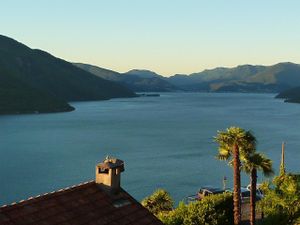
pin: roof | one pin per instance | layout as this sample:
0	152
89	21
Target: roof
84	204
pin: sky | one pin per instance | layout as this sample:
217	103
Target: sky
166	36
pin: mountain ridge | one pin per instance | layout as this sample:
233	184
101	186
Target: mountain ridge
242	78
136	80
39	75
46	83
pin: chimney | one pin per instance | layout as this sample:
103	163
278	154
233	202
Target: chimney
108	174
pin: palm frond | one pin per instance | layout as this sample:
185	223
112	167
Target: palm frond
259	162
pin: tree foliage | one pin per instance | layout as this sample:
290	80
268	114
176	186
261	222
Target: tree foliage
251	164
235	144
281	203
212	210
159	201
245	140
258	161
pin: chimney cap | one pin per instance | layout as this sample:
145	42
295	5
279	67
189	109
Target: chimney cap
111	163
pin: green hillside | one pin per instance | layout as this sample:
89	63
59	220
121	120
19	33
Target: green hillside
33	80
218	75
17	97
287	74
290	95
135	80
100	72
244	78
143	73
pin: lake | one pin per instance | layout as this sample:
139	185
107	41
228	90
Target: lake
166	142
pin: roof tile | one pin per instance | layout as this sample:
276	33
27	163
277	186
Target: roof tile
84	204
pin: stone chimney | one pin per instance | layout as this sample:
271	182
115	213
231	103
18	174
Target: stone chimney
108	174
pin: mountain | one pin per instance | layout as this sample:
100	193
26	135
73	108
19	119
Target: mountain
282	74
136	80
143	73
100	72
218	79
244	78
146	80
290	95
35	81
220	74
18	97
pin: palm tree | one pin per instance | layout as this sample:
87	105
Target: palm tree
234	142
251	164
159	201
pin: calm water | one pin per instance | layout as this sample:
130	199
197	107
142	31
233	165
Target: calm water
165	141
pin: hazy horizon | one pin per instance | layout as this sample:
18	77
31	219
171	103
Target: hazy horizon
168	37
169	75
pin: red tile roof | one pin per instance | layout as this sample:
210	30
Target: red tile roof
84	204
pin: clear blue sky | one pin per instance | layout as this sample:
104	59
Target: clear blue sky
167	36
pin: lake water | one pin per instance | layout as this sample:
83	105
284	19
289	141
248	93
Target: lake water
166	142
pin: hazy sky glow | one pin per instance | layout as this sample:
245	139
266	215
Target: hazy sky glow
167	36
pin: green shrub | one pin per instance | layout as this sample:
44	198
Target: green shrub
212	210
159	201
174	217
281	203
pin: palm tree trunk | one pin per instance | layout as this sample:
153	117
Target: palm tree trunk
253	195
236	186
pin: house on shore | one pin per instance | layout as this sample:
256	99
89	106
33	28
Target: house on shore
98	202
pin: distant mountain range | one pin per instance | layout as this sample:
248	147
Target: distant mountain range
136	80
245	78
283	78
34	81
